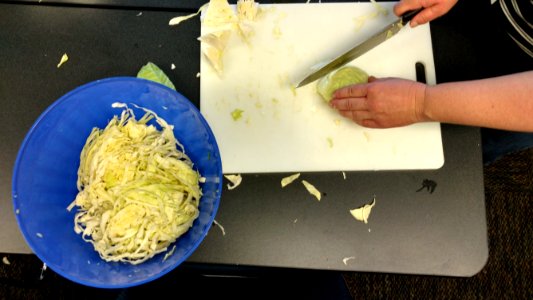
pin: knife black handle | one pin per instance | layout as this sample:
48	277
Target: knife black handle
408	15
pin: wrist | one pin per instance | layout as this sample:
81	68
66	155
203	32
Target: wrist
421	103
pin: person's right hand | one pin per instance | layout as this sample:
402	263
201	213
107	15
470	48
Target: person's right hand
432	9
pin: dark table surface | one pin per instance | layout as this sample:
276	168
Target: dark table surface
410	231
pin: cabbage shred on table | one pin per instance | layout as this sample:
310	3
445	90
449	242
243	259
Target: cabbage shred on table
137	191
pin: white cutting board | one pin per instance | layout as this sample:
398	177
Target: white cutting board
283	129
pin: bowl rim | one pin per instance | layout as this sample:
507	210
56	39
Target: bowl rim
31	132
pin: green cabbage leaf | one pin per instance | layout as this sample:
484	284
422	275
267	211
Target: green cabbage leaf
152	72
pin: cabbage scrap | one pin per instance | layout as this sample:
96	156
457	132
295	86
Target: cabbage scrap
289	179
137	191
220	226
213	48
247	9
152	72
330	142
41	277
219	13
176	20
379	10
312	190
346	259
367	136
247	12
235	181
223	19
236	114
169	253
362	213
63	60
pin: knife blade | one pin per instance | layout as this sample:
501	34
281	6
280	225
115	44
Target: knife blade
384	34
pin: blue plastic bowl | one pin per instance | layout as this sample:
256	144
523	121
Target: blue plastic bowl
45	174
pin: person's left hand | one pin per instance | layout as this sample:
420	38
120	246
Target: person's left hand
382	103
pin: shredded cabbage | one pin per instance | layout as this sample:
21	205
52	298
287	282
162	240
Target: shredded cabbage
137	191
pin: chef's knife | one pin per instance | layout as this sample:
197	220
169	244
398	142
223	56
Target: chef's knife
383	35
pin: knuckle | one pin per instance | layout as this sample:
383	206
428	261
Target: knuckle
375	106
352	90
349	105
372	89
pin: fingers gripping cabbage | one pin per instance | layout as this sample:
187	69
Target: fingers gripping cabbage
137	192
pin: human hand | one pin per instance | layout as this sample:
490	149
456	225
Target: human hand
432	9
382	103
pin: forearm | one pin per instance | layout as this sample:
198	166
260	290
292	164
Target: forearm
504	102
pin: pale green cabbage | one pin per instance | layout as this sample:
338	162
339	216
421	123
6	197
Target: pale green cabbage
137	191
340	78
